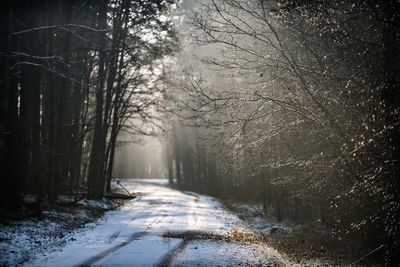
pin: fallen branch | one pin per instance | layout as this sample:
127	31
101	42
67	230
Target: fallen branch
123	187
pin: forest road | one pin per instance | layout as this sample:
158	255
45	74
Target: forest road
164	227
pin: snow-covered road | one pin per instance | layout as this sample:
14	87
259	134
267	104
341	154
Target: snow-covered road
152	230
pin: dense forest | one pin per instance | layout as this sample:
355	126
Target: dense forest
72	74
292	104
295	104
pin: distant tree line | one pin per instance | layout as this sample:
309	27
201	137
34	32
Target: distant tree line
72	74
300	112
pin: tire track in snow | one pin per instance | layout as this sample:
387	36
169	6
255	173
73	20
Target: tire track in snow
105	253
113	236
167	259
195	222
200	218
194	219
133	237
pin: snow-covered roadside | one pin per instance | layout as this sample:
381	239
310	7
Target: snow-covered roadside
23	240
254	216
308	244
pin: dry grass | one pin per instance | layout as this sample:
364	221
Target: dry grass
238	235
244	235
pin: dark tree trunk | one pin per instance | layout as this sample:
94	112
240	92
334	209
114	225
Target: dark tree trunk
187	165
97	158
36	162
11	182
76	139
25	125
177	157
115	127
391	100
170	169
113	141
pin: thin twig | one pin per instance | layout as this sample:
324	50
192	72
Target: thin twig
366	255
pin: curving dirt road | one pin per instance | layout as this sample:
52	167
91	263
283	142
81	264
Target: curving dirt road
165	227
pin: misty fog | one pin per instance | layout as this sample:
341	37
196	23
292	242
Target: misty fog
141	159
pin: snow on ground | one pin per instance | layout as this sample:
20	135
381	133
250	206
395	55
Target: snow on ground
134	235
17	244
95	204
20	240
254	215
196	254
157	181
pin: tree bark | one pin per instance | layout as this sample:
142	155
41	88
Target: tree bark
391	100
97	158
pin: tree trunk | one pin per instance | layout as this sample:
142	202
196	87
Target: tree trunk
97	158
391	100
11	182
